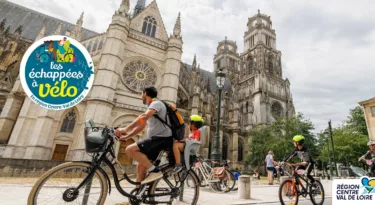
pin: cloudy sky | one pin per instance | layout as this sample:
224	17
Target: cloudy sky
328	49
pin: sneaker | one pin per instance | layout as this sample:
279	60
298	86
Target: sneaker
177	168
152	176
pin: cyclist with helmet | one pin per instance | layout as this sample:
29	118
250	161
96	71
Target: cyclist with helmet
370	154
196	122
303	154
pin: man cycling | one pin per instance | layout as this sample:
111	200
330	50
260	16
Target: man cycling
303	154
159	136
370	154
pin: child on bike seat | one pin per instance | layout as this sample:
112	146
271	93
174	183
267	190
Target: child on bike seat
196	122
303	154
370	154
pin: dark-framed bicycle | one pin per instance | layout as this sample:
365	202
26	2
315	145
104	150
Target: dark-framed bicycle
292	188
85	182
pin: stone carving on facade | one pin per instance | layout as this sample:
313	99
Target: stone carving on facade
138	75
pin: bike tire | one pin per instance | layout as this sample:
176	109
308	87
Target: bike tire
153	188
233	179
321	193
287	184
41	181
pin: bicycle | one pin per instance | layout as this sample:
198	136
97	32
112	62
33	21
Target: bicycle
207	177
292	188
92	183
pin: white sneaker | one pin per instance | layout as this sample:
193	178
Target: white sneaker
152	177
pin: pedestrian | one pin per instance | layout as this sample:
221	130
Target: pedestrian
270	167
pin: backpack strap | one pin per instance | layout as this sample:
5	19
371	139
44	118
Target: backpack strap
166	114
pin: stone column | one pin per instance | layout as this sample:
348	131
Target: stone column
100	100
9	115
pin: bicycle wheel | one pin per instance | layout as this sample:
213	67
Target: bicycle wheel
56	186
186	194
232	181
288	194
317	193
226	184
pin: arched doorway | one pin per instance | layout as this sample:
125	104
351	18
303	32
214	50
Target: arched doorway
122	157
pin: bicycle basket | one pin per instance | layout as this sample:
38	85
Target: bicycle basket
96	138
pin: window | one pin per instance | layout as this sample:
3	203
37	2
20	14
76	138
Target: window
149	26
373	111
240	150
69	122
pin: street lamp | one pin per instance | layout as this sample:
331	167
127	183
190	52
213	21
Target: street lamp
220	80
329	155
333	147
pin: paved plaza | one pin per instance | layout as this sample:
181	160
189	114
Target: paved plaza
17	193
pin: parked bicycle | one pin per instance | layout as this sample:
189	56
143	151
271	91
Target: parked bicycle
219	180
292	188
84	182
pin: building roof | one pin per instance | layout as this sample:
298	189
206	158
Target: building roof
371	100
209	75
33	21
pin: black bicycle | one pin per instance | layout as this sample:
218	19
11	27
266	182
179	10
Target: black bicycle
85	182
292	188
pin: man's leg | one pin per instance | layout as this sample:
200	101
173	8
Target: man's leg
141	173
134	152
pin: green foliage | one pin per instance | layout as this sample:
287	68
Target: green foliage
356	121
278	138
350	140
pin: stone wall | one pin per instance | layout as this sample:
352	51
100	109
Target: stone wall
35	168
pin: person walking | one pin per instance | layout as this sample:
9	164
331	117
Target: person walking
270	167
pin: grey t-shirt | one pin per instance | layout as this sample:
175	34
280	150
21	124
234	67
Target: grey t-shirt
269	158
154	126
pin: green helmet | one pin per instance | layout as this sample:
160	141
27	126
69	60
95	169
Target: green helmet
298	138
197	121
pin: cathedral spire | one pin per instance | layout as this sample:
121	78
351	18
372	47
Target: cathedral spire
124	7
194	65
80	20
58	29
41	33
177	26
141	4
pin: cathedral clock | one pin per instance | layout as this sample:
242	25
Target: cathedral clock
138	75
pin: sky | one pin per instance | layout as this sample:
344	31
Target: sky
327	46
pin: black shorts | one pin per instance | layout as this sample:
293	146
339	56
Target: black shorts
151	147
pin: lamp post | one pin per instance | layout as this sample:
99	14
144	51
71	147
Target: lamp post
329	155
220	80
333	147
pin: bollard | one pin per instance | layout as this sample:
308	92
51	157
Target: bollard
244	187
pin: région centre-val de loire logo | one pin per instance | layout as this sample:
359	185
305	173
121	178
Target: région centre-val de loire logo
57	72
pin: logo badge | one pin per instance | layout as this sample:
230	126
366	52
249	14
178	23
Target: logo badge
57	72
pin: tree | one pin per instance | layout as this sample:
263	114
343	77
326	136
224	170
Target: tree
278	138
356	120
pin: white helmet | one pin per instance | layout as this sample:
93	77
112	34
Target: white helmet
370	143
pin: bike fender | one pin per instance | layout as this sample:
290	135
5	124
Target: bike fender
103	172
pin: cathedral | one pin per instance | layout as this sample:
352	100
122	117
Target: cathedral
134	52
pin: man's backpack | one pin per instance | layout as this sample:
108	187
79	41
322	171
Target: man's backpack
177	124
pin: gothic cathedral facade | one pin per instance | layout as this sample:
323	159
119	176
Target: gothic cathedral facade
135	52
